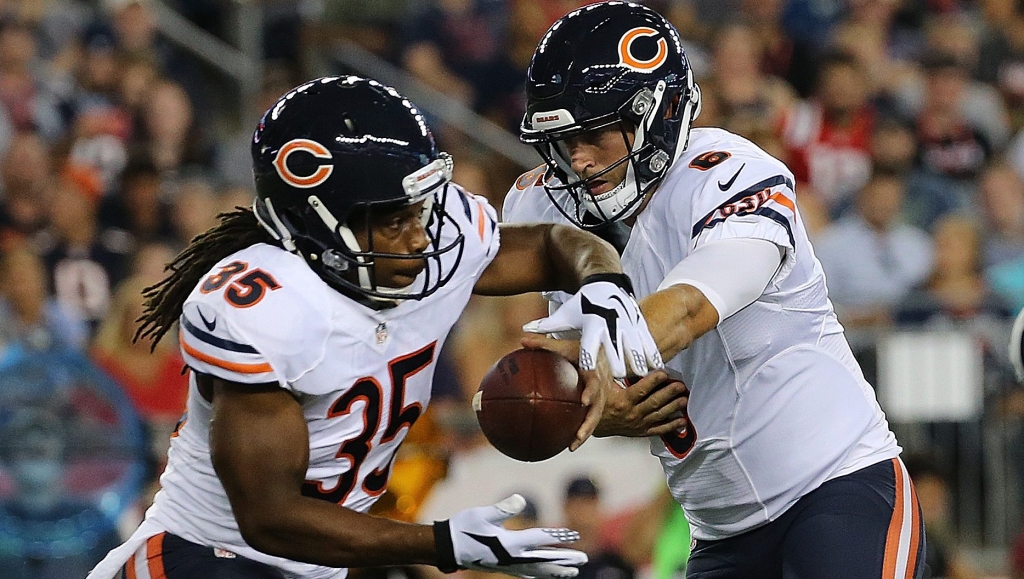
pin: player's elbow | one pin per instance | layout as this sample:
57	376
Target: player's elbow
262	517
259	521
262	530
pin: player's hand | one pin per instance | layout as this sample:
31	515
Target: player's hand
608	317
652	406
475	539
597	386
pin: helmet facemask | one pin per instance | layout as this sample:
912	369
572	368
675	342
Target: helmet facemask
657	143
345	265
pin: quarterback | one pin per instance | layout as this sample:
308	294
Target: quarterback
311	326
786	467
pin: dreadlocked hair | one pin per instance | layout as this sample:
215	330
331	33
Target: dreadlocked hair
237	230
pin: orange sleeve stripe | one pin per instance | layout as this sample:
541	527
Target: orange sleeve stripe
781	199
233	366
155	556
481	218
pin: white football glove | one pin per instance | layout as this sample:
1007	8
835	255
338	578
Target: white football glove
475	539
606	314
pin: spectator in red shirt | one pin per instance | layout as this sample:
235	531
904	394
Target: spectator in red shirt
827	138
153	381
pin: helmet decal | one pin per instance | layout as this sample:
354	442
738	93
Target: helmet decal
552	119
629	61
313	148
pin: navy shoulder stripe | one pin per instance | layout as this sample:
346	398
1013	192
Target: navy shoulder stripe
465	205
755	188
750	201
781	219
209	338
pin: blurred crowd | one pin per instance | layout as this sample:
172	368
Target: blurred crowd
903	121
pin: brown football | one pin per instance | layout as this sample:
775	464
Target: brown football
529	404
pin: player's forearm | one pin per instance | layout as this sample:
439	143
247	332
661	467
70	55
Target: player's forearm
537	257
322	533
677	316
259	447
575	255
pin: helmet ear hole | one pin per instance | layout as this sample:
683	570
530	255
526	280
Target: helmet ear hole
642	103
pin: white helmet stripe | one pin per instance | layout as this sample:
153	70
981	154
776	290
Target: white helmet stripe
277	230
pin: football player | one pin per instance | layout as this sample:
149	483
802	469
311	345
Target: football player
787	467
311	326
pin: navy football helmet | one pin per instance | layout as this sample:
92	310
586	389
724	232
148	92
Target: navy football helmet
608	64
333	153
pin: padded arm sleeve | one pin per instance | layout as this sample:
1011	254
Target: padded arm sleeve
731	273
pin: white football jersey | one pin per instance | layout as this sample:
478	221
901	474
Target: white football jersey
362	376
778	404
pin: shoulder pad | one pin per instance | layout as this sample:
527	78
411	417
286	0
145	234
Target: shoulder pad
260	315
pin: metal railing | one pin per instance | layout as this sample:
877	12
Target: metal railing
243	64
436	103
981	452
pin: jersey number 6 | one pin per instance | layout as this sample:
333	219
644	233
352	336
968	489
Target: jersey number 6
708	160
681	442
356	449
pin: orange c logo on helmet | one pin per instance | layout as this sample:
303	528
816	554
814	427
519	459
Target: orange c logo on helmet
307	146
626	57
